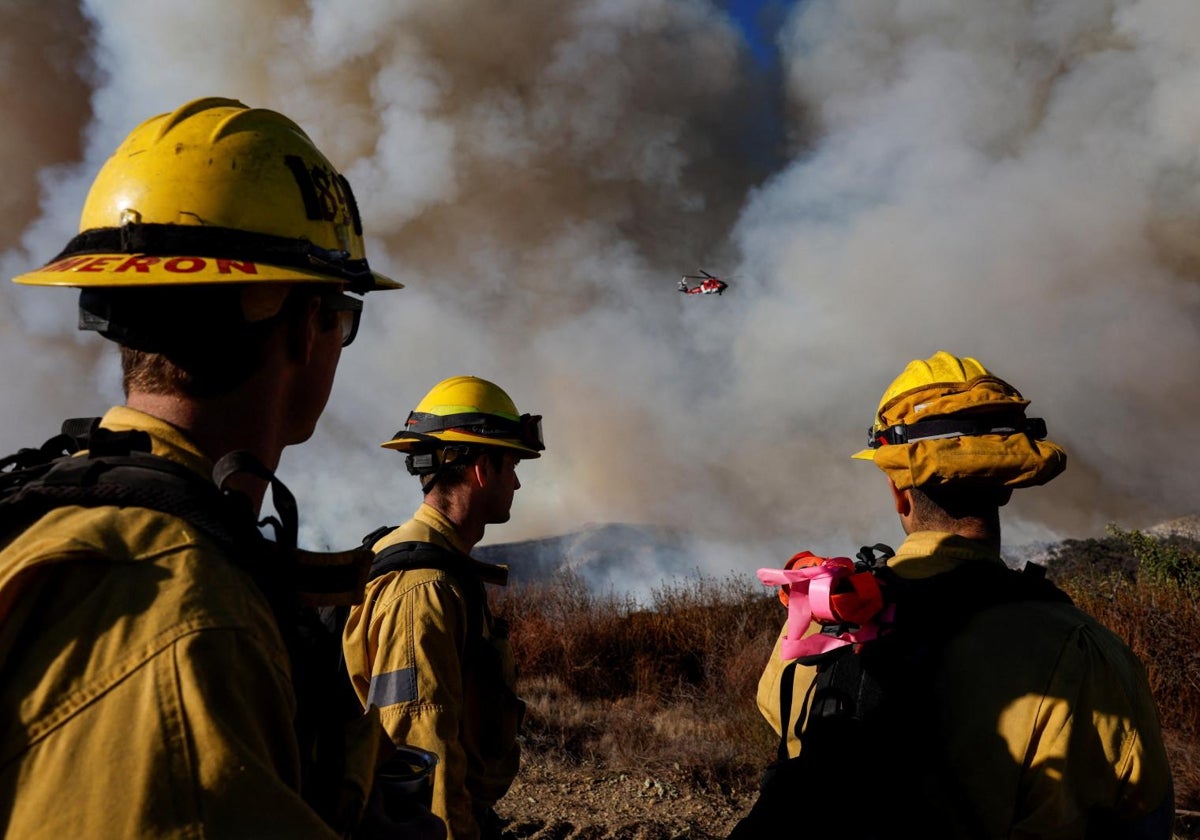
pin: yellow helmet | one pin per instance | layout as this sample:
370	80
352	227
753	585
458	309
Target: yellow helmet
947	419
467	410
215	192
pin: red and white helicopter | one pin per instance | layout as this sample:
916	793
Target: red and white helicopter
708	284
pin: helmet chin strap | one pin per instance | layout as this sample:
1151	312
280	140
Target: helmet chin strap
286	525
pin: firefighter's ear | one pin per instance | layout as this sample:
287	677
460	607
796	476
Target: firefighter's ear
902	499
481	470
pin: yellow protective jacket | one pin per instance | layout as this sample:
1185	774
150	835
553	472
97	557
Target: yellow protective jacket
1045	716
409	652
144	687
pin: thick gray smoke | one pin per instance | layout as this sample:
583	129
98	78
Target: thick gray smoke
1013	181
1003	179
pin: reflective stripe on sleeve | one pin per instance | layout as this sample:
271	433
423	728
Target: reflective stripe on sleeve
393	687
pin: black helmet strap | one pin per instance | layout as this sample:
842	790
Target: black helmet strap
158	240
947	427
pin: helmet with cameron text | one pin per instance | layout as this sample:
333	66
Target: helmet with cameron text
215	192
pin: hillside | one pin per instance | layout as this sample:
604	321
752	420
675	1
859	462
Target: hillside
605	557
608	557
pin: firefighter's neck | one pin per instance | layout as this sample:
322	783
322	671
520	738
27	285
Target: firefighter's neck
221	425
461	512
973	528
983	528
276	405
466	503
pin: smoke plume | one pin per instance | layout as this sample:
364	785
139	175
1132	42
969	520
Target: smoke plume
1012	181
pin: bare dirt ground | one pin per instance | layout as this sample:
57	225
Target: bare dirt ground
550	801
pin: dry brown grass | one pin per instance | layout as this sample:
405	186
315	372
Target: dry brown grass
672	685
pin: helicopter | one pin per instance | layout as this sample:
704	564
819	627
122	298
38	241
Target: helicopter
708	285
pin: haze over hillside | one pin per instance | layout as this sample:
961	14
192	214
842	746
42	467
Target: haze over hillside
627	560
1014	181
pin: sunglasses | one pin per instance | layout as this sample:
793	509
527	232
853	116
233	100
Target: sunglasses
349	311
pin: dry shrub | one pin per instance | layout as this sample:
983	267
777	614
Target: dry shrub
670	685
705	635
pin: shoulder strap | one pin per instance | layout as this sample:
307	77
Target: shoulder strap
416	555
421	555
119	470
379	533
27	461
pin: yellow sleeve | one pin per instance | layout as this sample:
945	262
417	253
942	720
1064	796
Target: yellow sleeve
769	685
236	708
416	681
1096	740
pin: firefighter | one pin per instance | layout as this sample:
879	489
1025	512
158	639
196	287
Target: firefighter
423	646
1005	711
153	640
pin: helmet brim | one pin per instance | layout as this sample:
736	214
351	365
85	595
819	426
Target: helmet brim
128	270
408	444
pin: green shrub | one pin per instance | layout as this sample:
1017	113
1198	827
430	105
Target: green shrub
1170	560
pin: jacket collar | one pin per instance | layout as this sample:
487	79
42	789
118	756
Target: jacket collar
927	553
166	441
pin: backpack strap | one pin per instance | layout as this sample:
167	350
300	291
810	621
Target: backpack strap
787	688
379	533
90	466
118	470
421	555
74	437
